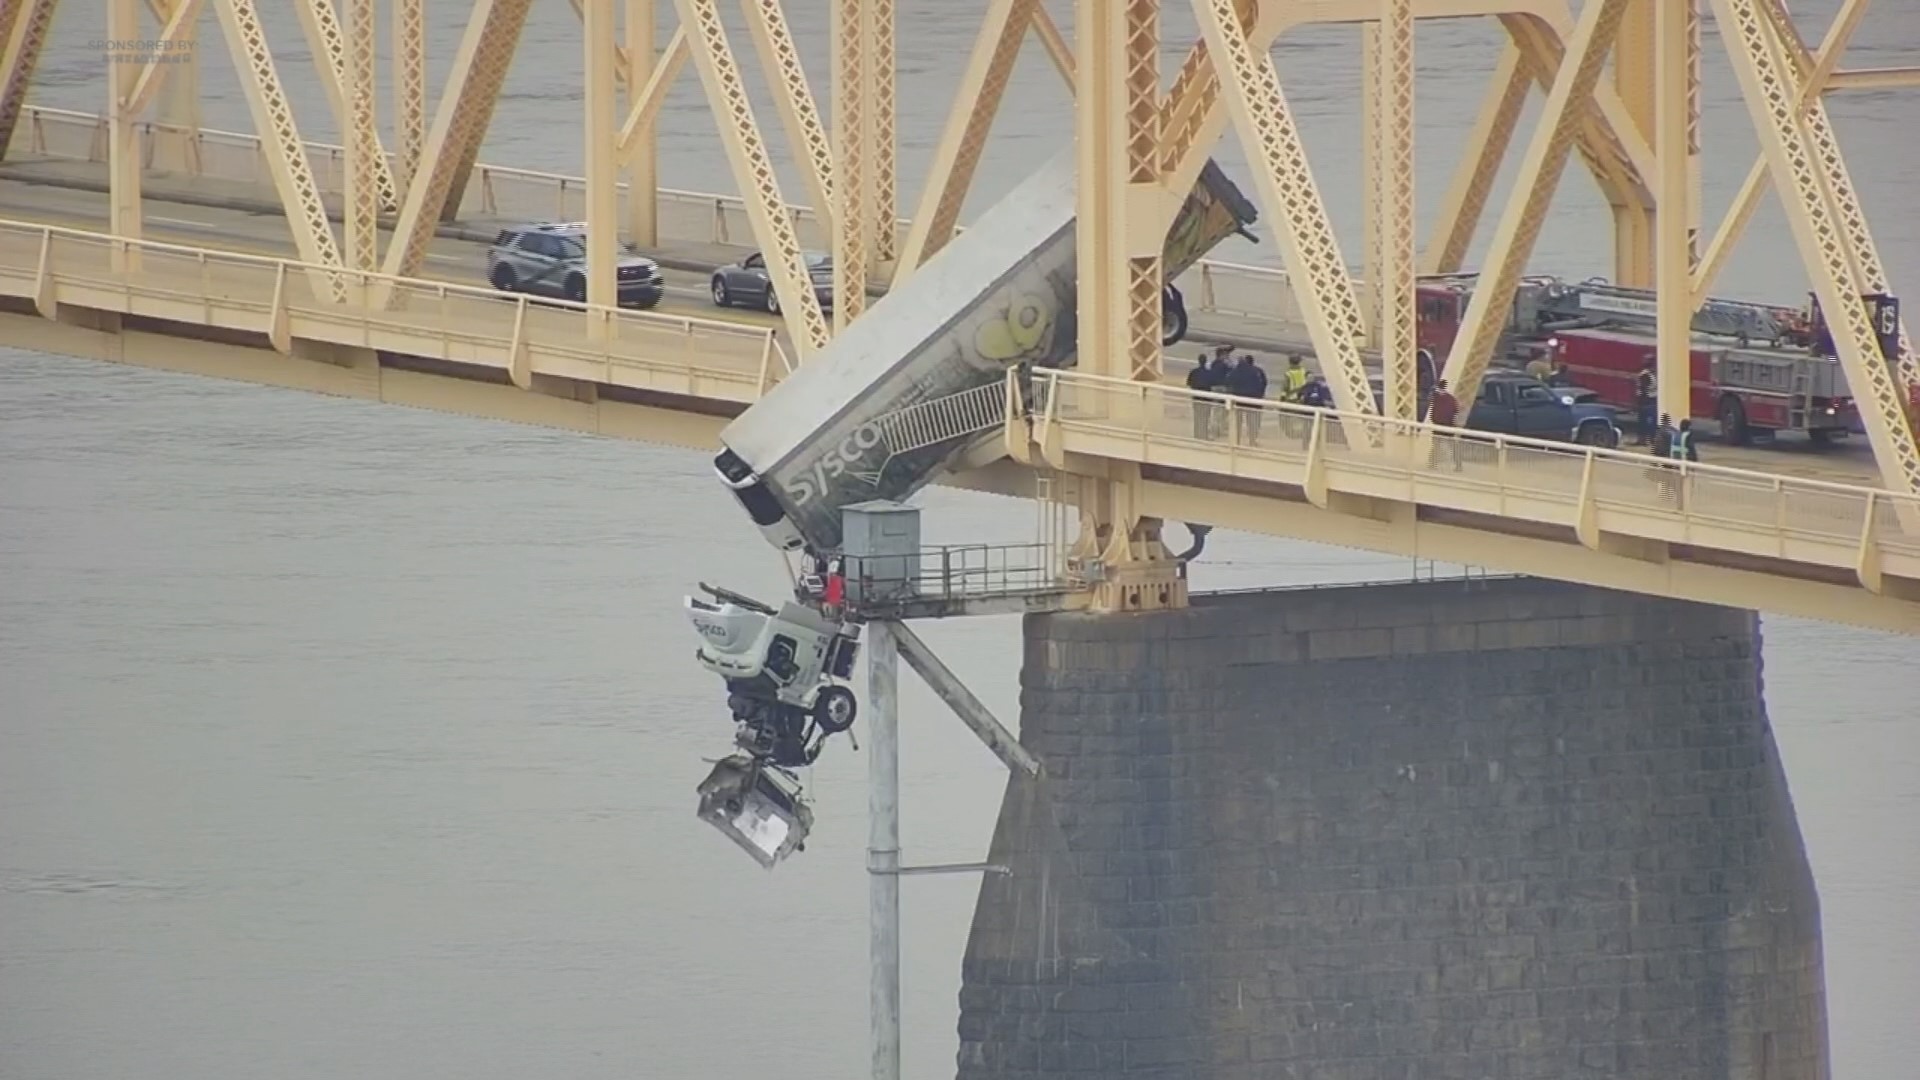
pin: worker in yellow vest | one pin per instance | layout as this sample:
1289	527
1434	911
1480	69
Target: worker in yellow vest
1296	379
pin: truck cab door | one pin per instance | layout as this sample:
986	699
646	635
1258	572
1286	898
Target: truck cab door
1490	411
1538	414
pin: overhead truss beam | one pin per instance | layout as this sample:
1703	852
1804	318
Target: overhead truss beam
25	24
409	88
331	47
793	100
1393	286
852	50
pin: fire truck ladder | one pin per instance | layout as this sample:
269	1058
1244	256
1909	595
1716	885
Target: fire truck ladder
941	420
1721	318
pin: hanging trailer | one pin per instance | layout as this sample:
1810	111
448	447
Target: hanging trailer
886	406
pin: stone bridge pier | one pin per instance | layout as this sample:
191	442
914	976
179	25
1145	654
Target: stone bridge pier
1500	830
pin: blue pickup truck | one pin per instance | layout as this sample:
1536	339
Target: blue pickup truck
1513	403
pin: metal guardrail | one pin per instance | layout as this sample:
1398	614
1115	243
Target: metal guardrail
1255	293
1586	488
284	298
957	572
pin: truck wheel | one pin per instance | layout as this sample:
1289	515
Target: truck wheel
1821	437
1733	422
1173	323
1600	435
720	295
834	709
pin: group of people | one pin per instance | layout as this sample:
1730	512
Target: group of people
1243	377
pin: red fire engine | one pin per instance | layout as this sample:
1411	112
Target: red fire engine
1756	368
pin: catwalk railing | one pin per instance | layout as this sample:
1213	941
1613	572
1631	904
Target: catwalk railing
1589	490
284	300
1257	293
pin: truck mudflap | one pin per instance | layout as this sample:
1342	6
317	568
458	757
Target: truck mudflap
891	401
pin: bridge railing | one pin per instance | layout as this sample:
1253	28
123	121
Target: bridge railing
1585	488
286	299
1257	294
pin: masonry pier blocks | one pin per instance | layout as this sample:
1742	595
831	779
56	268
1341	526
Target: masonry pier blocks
1508	829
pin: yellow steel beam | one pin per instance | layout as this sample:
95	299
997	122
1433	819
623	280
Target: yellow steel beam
409	86
852	39
175	32
1734	225
793	100
1633	79
123	132
1890	78
1526	212
883	141
1372	181
1672	77
329	46
600	36
647	77
366	161
975	104
1319	277
1056	46
1100	135
1486	150
460	120
25	23
1145	278
281	144
753	171
174	144
1394	285
1772	91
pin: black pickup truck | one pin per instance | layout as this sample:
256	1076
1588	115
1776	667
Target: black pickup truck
1512	403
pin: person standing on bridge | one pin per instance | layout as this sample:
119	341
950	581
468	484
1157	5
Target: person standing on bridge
1645	399
1296	378
1444	411
1246	380
1425	375
1203	379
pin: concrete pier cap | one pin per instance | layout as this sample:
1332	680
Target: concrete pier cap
1506	829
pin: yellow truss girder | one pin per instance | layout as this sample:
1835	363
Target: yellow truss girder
366	161
124	162
281	144
793	100
646	75
1538	179
1672	129
409	87
852	41
643	112
600	63
25	23
1393	285
1801	166
1466	197
753	171
175	30
883	137
1251	90
459	122
331	46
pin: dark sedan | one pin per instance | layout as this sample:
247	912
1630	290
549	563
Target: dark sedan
748	284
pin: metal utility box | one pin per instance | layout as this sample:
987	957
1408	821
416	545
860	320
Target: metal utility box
880	542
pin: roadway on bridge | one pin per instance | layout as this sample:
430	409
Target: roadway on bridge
47	200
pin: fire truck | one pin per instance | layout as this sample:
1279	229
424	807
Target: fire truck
1756	369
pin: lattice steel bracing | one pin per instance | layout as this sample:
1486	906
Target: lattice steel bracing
883	140
1251	89
1870	274
851	247
460	121
1540	171
975	104
793	99
25	23
366	162
1395	210
1192	117
281	144
1145	277
1486	149
330	46
409	87
1773	95
753	171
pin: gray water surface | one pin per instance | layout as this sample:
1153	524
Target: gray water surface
341	740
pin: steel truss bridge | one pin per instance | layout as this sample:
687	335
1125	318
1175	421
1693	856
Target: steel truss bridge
345	300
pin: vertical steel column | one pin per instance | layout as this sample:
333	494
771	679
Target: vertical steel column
1371	186
643	154
602	157
25	28
365	160
1673	275
883	141
123	132
1633	79
853	189
1100	134
1394	287
883	847
1466	198
177	140
409	86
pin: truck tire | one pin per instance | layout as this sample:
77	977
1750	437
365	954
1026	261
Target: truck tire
1733	422
834	709
1598	433
1173	318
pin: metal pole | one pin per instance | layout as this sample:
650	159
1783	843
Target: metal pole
883	846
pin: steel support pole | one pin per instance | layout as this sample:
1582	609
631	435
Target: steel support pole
177	146
1634	243
123	132
883	139
1371	186
366	162
883	846
1394	282
602	153
409	87
643	154
1673	266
